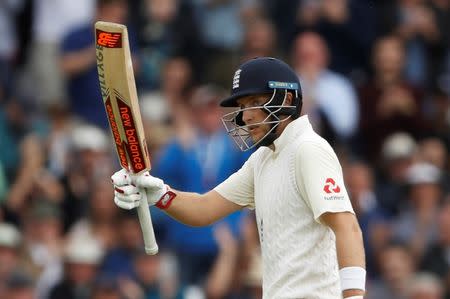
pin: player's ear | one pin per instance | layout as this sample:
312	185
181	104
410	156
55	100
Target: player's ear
289	99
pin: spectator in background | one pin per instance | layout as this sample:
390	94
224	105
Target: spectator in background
51	22
196	161
168	104
89	160
397	267
425	286
16	129
347	26
10	245
260	40
415	224
388	102
58	139
119	260
78	63
167	28
416	23
436	259
43	245
432	150
164	111
222	25
329	98
81	260
398	152
221	22
30	179
156	277
100	216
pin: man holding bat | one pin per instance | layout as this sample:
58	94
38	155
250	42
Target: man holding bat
310	238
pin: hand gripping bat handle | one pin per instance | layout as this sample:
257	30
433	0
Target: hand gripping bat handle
151	247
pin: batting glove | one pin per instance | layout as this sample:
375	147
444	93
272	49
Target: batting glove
128	190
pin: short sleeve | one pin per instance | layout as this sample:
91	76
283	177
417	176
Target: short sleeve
320	180
239	187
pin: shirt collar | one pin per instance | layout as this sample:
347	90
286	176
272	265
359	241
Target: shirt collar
294	129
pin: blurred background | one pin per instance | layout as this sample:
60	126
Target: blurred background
376	84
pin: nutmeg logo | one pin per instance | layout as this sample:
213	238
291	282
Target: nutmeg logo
331	186
332	189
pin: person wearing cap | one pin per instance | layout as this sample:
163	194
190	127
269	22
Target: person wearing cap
82	258
398	153
416	223
43	244
426	285
310	238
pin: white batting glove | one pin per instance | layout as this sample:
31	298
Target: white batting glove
128	194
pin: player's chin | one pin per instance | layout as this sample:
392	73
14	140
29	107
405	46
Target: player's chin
257	137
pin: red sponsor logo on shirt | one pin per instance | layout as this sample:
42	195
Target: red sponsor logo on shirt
331	186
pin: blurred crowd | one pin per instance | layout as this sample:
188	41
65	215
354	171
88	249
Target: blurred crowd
376	84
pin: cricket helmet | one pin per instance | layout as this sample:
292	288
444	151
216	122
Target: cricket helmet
262	75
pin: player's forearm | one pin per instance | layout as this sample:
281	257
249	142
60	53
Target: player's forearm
350	248
350	252
191	209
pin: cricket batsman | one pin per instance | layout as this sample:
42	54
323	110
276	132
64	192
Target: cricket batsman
311	242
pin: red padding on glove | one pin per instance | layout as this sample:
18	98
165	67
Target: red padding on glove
166	200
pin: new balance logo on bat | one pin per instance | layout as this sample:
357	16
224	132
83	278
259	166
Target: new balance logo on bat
108	39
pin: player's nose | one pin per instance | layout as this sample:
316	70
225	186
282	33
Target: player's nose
247	116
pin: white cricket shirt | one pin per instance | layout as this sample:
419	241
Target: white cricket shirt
290	188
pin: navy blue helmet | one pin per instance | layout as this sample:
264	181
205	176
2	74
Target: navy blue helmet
262	75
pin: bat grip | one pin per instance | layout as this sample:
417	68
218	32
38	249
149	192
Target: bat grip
151	247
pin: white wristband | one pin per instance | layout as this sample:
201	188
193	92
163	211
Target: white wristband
354	297
353	278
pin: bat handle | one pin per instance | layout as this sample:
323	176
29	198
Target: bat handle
151	247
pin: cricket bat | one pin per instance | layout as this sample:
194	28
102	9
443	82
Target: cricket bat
118	88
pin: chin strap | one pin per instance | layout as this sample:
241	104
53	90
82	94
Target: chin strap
268	140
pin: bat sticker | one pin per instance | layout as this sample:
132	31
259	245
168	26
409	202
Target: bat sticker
109	39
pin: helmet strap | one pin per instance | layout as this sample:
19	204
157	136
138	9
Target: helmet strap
268	139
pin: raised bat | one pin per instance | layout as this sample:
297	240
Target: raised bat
118	88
